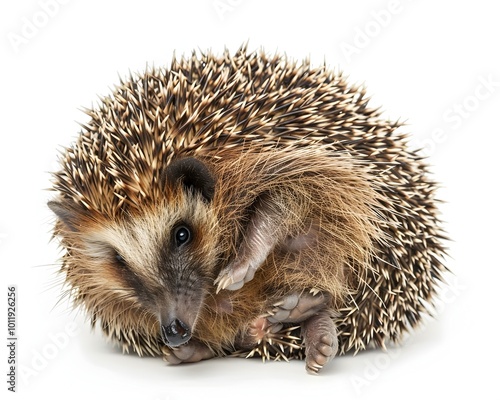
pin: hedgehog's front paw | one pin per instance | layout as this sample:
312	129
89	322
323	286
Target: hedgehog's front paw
235	275
298	307
193	351
320	339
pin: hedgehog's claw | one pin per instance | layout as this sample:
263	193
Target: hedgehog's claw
313	368
222	282
234	276
228	280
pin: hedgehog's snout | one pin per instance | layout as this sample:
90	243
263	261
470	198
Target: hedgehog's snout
176	333
178	310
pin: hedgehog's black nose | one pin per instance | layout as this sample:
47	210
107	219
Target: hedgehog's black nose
176	333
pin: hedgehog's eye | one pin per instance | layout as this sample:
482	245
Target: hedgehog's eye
182	235
120	260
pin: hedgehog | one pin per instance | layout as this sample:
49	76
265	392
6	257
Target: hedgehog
246	205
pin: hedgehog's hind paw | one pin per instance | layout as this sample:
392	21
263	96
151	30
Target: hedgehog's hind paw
320	339
298	307
193	351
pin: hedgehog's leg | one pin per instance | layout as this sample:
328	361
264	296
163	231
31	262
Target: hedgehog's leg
193	351
318	329
320	339
260	238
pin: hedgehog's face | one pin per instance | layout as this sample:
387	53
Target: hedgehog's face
163	257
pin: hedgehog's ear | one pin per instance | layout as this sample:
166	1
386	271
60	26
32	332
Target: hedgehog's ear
68	215
193	175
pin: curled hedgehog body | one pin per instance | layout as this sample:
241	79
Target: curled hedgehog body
246	205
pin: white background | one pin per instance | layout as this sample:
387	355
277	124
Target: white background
435	65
